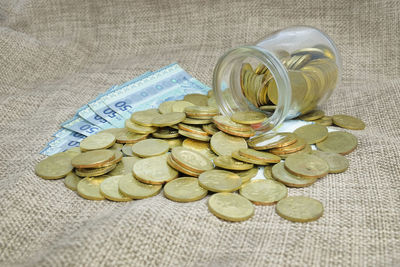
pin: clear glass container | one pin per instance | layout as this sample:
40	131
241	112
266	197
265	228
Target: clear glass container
288	73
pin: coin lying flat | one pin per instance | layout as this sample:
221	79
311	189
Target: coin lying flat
204	138
97	141
184	189
279	173
117	158
171	162
199	146
201	111
348	122
307	166
263	192
118	170
196	121
226	122
223	144
337	163
150	147
93	159
259	155
248	117
272	140
113	131
180	106
237	156
300	209
297	146
154	170
117	146
89	188
338	142
134	189
230	207
196	99
236	133
192	129
126	137
247	174
54	167
210	128
144	117
168	119
166	133
227	162
312	116
137	128
72	152
128	163
166	107
93	172
220	181
71	181
306	150
109	188
312	133
191	159
326	121
174	142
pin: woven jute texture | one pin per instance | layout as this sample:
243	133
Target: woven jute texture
56	55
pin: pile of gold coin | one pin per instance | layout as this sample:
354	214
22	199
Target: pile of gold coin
190	150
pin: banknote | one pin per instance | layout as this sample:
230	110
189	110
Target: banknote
88	114
81	126
51	150
73	136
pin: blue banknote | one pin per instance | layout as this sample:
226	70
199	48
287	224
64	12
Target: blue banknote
88	114
51	150
81	126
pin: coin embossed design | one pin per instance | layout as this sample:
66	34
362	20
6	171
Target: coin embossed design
230	207
338	142
93	159
135	189
154	170
264	192
109	188
54	167
184	189
150	147
223	144
312	133
220	181
191	159
227	162
307	166
337	163
89	188
279	173
299	209
348	122
248	117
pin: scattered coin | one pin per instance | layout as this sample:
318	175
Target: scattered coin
230	207
348	122
236	133
180	106
89	188
307	166
199	146
210	128
263	192
72	152
93	172
337	163
126	137
326	121
71	181
272	140
55	166
248	117
259	155
192	129
117	146
306	150
128	163
312	133
93	159
200	111
268	172
279	173
184	189
166	133
220	181
227	162
191	159
196	121
134	189
174	142
247	174
127	150
137	128
109	188
144	117
297	146
150	147
236	155
194	136
338	142
312	115
226	122
171	162
196	99
168	119
166	107
154	170
223	144
299	209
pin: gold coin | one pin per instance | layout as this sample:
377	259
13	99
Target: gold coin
247	174
117	146
127	150
199	146
128	163
259	155
113	131
312	115
166	107
236	155
109	188
174	142
54	167
93	159
132	188
126	137
297	146
72	152
226	122
338	142
337	163
211	128
97	141
248	117
307	166
201	110
154	170
150	147
191	159
89	188
236	133
71	181
300	209
117	158
92	172
220	181
306	150
223	144
326	121
118	170
184	189
268	107
279	173
230	207
273	92
191	135
144	117
196	121
212	102
171	162
166	133
196	99
179	106
227	162
348	122
272	140
312	133
263	192
268	172
192	129
210	93
168	119
137	128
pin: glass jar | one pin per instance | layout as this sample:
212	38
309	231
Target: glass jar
288	73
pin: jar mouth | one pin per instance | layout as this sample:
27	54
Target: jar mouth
226	78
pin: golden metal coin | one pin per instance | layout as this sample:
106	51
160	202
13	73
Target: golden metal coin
227	162
247	174
97	141
300	209
180	106
236	133
126	137
338	142
279	173
212	102
185	189
118	170
93	159
193	129
220	181
263	192
54	167
226	122
268	172
71	181
199	146
137	128
268	107
174	142
144	117
191	159
210	93
116	159
211	128
273	92
117	146
89	188
196	99
337	163
196	121
272	140
259	155
166	133
298	145
114	131
191	135
306	150
307	166
223	144
326	121
127	150
72	152
109	188
230	207
150	147
201	111
348	122
128	163
171	162
312	133
92	172
168	119
132	188
166	107
236	155
312	115
154	170
248	117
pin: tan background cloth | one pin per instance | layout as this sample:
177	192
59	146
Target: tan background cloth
57	55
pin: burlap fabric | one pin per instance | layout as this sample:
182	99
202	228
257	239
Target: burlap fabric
57	55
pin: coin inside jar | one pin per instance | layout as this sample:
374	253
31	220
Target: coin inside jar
248	117
307	166
263	192
220	181
184	189
150	147
230	207
299	209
